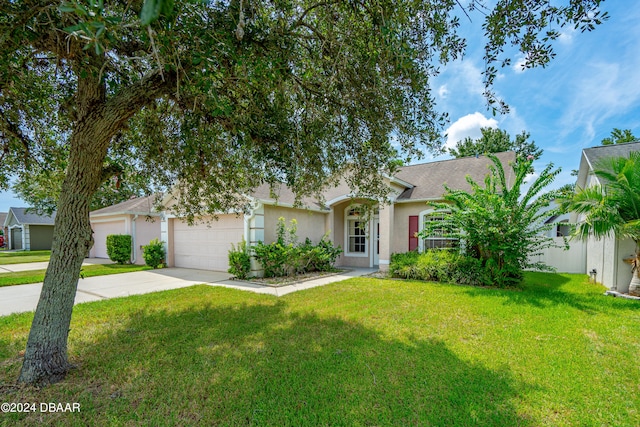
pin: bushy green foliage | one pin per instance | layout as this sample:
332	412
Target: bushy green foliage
439	266
499	223
239	260
119	248
153	253
286	257
495	140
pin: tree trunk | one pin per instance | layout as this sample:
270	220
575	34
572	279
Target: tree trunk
98	120
45	359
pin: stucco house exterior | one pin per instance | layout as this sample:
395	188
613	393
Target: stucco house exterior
366	242
136	217
28	230
605	256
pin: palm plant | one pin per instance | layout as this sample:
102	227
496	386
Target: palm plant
612	208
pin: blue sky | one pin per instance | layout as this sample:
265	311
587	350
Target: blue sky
591	87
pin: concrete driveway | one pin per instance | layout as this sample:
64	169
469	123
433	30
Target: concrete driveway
20	298
27	266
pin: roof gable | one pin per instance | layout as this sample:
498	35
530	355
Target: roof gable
22	216
138	205
593	155
429	178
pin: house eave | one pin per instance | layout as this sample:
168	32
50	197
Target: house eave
98	215
428	199
271	202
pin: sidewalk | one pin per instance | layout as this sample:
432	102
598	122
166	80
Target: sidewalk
12	268
21	298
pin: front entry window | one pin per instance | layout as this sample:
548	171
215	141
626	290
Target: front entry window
355	232
357	236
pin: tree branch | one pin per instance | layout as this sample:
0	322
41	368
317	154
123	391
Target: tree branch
12	129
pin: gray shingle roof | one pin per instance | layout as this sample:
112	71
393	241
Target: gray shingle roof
429	178
596	154
24	217
139	205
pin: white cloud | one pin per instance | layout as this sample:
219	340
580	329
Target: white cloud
443	91
531	177
468	126
519	65
566	36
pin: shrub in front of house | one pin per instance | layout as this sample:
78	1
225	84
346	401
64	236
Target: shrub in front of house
439	266
239	260
286	257
119	248
153	253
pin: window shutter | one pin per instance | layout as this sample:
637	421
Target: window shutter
413	229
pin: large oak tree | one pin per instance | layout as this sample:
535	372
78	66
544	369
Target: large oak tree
212	98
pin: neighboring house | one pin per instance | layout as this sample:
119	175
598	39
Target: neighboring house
29	231
366	243
605	255
136	217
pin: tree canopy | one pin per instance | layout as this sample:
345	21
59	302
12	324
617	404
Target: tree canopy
620	136
495	140
211	99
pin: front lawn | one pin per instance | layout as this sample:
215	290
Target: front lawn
23	257
37	276
361	352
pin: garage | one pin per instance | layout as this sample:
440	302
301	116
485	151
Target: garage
206	246
100	232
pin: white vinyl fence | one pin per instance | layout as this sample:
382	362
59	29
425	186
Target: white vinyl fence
573	260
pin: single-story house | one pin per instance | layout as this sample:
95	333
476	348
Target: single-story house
27	230
366	242
136	217
605	256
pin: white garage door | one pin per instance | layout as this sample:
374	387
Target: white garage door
100	232
206	247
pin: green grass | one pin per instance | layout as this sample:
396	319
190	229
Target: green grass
36	276
23	257
357	353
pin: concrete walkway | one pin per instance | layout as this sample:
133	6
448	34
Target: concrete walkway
12	268
21	298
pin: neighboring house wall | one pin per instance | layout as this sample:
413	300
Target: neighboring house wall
102	228
137	226
625	248
606	257
146	229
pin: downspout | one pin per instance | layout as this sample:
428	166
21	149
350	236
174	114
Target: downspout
134	251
